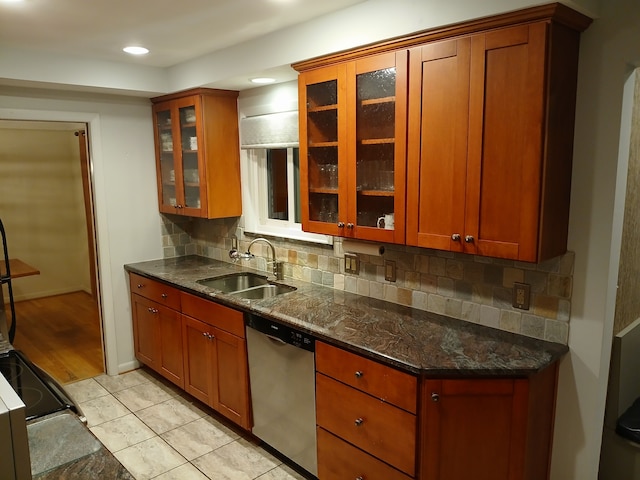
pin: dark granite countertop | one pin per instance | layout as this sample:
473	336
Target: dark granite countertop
414	340
62	447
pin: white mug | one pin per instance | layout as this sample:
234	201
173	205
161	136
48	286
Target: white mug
386	221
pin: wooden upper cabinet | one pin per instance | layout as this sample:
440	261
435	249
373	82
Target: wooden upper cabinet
489	136
197	153
492	163
439	124
353	148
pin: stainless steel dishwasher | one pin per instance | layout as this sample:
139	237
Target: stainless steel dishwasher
282	379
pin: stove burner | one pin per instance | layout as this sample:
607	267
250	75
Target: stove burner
39	392
10	371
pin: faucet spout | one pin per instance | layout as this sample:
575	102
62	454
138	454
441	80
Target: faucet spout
277	266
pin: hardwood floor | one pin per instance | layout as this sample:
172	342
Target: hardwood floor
61	334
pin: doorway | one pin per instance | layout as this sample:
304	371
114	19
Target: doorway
47	208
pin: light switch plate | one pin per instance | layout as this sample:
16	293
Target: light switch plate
351	263
390	270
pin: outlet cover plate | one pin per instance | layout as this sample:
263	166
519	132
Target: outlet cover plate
390	270
521	295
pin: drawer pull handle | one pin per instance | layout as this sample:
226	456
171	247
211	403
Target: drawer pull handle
164	295
435	397
360	477
359	421
359	374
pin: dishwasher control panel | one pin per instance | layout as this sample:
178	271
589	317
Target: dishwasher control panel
284	333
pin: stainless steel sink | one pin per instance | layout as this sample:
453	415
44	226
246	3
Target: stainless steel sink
263	291
234	282
246	285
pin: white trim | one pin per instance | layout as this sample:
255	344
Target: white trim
255	216
102	240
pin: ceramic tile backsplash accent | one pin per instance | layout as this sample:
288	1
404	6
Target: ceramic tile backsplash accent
471	288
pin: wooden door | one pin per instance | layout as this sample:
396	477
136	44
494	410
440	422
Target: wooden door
170	362
506	116
376	152
473	429
323	128
198	377
437	158
232	377
145	338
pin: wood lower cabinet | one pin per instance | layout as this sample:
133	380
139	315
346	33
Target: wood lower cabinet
157	327
197	344
216	369
487	429
361	415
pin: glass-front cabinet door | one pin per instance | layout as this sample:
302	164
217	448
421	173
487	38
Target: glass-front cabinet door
179	162
377	148
353	148
323	148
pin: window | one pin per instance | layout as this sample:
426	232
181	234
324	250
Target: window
272	199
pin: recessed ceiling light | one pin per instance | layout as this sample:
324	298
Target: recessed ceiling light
263	80
136	50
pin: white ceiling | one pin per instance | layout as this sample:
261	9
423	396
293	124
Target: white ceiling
174	30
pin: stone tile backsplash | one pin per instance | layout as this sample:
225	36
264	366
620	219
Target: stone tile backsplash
471	288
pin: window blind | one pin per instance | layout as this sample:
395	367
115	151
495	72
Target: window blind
274	130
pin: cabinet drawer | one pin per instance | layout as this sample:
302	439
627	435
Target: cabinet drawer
378	428
338	460
156	291
213	313
386	383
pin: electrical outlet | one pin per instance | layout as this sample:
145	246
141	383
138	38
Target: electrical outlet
390	270
351	263
521	295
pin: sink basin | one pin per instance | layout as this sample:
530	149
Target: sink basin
263	291
234	282
246	285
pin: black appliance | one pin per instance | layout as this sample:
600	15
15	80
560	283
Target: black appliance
40	393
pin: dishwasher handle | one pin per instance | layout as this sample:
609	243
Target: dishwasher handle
277	340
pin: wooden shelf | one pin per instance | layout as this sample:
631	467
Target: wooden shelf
323	144
377	101
322	108
378	141
332	191
376	193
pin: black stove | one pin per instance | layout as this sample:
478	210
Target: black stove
40	393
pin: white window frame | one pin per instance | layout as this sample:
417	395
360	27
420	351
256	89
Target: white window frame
256	204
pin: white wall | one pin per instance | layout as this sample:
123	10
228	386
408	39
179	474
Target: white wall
124	179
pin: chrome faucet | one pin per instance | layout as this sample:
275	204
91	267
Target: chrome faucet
277	266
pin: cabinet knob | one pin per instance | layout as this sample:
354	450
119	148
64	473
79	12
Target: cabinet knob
468	238
349	225
164	295
435	397
140	285
455	237
359	374
149	309
340	224
359	421
360	477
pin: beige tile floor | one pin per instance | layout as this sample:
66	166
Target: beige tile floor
158	432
